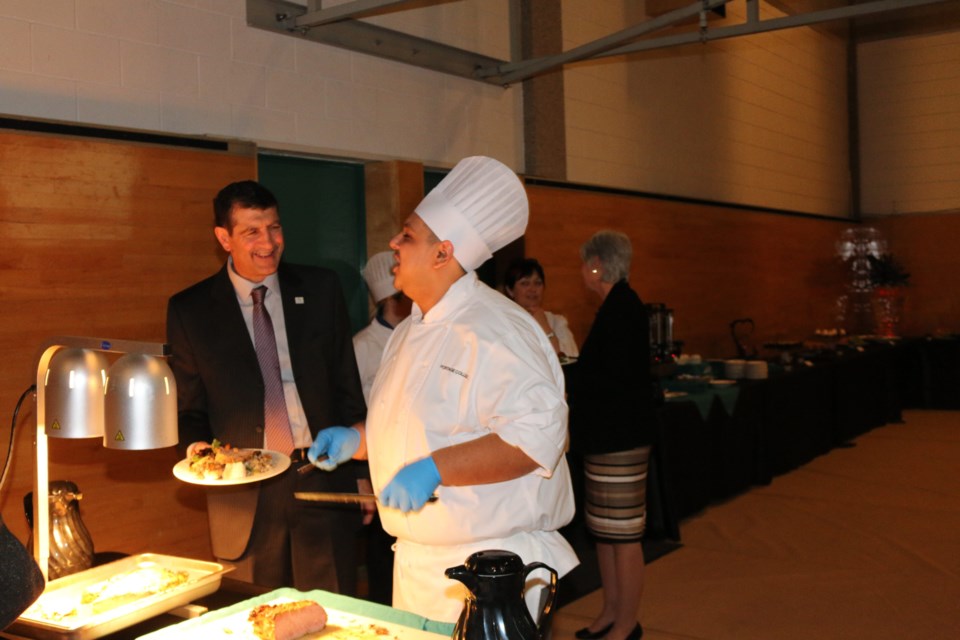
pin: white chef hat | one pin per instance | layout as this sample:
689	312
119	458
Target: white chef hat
480	206
378	276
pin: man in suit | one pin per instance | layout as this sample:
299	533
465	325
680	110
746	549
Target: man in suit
274	390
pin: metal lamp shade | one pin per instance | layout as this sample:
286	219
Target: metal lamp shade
73	393
141	404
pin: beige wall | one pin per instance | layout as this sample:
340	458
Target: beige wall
910	124
758	120
197	68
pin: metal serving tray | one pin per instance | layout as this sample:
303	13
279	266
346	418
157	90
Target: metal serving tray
203	579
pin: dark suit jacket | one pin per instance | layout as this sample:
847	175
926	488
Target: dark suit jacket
220	389
610	388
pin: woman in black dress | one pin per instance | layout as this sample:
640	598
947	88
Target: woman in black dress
611	397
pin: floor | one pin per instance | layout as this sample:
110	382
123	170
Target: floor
863	542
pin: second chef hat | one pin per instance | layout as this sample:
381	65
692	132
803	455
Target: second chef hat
378	274
480	206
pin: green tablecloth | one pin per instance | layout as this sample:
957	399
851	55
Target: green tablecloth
727	395
355	606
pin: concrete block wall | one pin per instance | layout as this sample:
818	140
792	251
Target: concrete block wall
910	124
474	25
195	67
758	120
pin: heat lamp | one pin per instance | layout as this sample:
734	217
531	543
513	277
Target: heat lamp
131	405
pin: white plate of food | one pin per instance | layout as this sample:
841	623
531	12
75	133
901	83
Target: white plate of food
223	465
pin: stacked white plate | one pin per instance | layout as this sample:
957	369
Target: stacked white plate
755	369
733	369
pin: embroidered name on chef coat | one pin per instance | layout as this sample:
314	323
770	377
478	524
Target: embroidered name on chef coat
456	371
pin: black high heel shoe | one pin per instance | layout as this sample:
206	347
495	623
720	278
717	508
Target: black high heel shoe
586	634
636	634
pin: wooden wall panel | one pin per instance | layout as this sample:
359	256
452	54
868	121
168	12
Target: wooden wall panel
393	189
97	235
710	264
928	246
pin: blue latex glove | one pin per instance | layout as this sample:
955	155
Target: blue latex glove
412	486
338	443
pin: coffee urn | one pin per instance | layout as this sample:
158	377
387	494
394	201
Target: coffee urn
663	348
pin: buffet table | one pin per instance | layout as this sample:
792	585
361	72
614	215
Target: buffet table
710	449
224	611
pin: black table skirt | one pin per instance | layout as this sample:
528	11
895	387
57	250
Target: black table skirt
787	420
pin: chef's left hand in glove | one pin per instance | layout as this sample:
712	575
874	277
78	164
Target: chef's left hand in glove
338	443
412	486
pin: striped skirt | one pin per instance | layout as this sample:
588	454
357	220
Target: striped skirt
616	494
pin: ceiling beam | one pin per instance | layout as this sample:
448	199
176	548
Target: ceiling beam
336	26
280	16
337	13
516	71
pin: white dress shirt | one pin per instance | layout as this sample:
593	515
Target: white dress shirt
273	303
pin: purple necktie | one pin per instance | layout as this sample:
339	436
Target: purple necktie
276	421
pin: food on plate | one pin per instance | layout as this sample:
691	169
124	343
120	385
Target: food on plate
223	462
287	620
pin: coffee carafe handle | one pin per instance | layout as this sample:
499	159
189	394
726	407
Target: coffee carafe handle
544	621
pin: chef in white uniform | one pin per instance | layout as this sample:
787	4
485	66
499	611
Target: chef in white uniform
392	306
468	404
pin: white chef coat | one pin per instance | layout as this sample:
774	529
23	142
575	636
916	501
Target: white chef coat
368	345
476	364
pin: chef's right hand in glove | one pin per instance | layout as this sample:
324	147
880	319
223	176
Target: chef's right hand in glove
412	486
337	443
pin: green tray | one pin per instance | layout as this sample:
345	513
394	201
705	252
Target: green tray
211	625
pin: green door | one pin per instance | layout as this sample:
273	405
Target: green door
324	221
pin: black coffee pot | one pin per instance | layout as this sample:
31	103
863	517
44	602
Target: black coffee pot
495	608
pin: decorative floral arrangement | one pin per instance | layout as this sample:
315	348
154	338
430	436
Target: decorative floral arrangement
886	271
